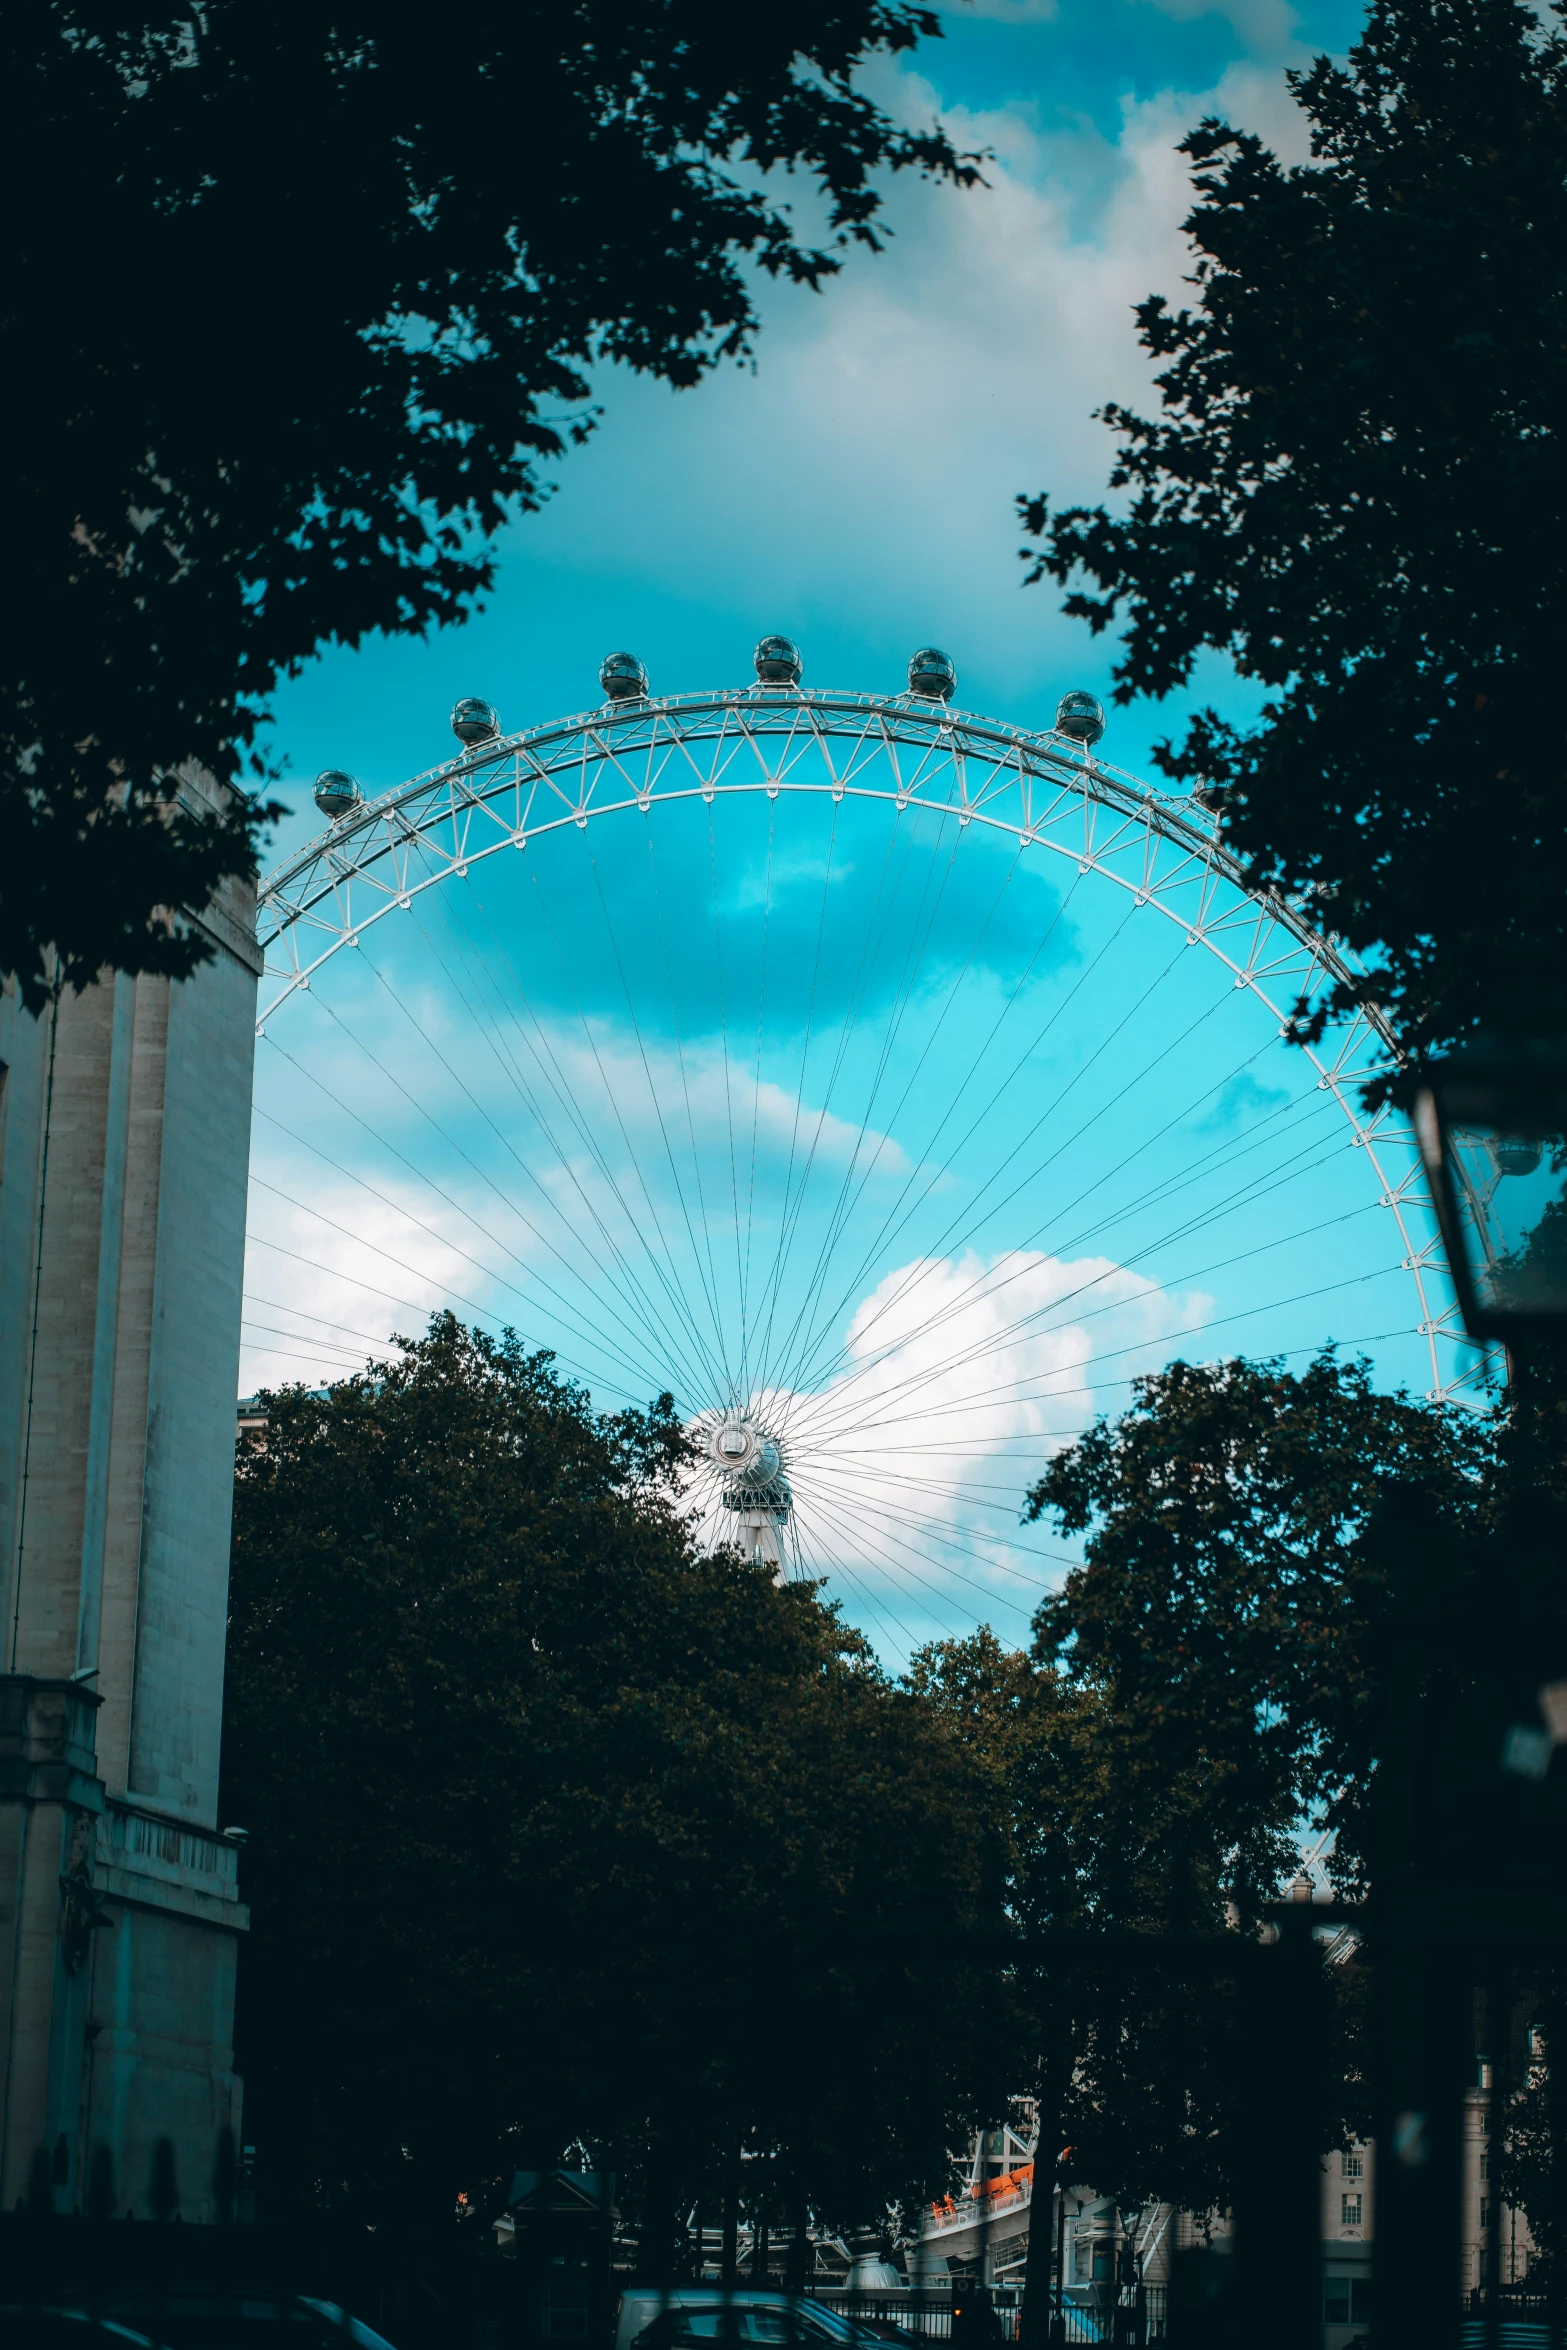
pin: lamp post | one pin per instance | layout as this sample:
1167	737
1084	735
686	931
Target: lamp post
1491	1123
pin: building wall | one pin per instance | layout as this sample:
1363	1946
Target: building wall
960	2232
124	1139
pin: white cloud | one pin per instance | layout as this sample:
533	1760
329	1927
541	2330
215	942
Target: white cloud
328	1281
873	458
1267	25
1005	11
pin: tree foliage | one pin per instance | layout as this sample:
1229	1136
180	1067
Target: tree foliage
1197	1691
561	1828
1355	488
1232	1587
294	309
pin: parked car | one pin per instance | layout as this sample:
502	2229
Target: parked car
68	2329
192	2320
704	2317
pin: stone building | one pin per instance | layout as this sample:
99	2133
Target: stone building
124	1142
983	2232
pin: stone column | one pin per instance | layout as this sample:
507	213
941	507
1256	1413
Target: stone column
124	1145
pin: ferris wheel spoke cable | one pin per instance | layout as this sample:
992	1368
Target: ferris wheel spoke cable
792	1215
832	1409
1027	1447
723	1030
892	1221
657	1108
844	1534
986	1346
508	1202
710	1278
890	1228
284	1354
858	1169
756	1091
596	1334
921	1160
853	1520
1049	1160
910	1528
933	1528
935	1253
851	1190
629	1288
664	1274
591	1336
1001	1494
877	1607
279	1305
805	1051
987	1399
1180	1179
555	1078
371	1289
348	1355
485	1313
548	1066
985	1287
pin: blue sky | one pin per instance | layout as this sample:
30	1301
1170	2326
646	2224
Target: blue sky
855	489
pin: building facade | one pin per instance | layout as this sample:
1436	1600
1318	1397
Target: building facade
982	2232
124	1146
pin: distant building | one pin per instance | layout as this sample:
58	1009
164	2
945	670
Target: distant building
983	2232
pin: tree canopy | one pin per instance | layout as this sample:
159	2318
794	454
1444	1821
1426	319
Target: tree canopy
295	307
1228	1604
560	1828
1355	488
1198	1692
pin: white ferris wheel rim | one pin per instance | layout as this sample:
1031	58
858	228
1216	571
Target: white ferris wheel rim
1163	848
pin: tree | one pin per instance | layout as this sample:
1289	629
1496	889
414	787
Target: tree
1198	1690
560	1828
294	308
1355	489
1233	1586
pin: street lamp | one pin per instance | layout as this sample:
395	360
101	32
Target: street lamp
1491	1123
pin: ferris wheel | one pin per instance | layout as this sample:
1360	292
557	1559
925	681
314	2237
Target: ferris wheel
890	1084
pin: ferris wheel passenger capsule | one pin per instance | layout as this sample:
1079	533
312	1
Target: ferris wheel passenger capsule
474	722
1080	718
623	678
933	674
778	661
336	791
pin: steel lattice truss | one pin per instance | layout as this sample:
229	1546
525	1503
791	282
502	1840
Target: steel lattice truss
1045	791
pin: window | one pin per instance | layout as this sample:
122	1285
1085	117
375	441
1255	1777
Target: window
1346	2301
1485	2211
1485	2166
1349	2211
566	2302
1351	2164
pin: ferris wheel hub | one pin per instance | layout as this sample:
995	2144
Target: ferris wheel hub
753	1484
743	1453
